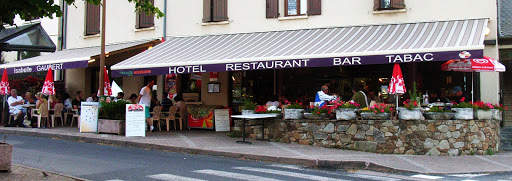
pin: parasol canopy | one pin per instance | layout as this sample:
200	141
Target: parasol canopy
5	89
48	86
397	84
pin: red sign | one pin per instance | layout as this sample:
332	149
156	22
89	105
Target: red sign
214	76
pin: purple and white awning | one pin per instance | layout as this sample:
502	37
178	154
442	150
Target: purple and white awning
65	59
321	47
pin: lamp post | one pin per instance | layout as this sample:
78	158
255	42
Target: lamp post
102	55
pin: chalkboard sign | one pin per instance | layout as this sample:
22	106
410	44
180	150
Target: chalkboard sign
221	119
89	117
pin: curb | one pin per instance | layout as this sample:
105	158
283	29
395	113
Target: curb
54	173
328	164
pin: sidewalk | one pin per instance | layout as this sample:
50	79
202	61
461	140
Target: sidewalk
32	174
218	144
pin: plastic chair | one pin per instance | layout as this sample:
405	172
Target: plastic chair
157	112
57	113
11	115
75	115
43	114
172	116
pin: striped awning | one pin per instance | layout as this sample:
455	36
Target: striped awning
67	58
336	46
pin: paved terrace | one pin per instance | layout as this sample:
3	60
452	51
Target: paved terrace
218	144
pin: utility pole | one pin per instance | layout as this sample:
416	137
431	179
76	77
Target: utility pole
102	56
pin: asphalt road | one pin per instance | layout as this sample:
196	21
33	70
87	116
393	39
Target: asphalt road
104	162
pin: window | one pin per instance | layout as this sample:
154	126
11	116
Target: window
144	20
215	10
388	4
302	7
92	19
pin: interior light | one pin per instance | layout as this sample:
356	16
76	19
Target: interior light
91	60
150	47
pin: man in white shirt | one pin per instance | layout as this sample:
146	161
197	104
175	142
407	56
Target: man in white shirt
145	98
16	107
321	96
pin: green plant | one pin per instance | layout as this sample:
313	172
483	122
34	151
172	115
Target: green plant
234	134
249	105
378	108
410	105
483	105
414	95
500	107
114	110
350	104
295	105
438	109
321	110
490	151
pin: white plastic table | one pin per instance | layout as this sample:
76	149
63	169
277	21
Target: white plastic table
253	116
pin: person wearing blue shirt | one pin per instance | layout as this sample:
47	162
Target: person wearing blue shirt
321	96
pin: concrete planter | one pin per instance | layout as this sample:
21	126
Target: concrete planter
293	113
463	113
406	114
496	114
483	114
346	114
374	116
439	115
111	126
278	115
315	116
245	112
5	157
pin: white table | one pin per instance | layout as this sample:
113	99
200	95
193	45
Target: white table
253	116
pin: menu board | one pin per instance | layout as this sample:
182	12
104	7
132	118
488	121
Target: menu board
135	120
89	117
221	119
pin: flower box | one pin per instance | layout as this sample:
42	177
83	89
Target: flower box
406	114
346	114
315	116
374	116
463	113
439	115
293	113
483	114
245	112
496	115
111	126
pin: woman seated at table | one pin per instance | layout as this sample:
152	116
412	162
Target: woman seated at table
41	101
53	100
29	98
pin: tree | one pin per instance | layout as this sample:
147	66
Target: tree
31	9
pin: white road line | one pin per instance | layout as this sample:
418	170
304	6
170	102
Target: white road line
294	167
188	141
235	175
285	173
469	180
372	177
290	150
114	180
497	163
171	177
415	163
427	177
469	175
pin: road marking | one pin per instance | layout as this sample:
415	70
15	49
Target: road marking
416	163
372	177
235	175
497	163
468	175
285	173
171	177
290	150
427	177
294	167
188	141
114	180
469	180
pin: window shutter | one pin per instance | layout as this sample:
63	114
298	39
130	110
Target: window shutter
272	8
376	5
314	7
220	10
144	20
92	19
397	4
207	10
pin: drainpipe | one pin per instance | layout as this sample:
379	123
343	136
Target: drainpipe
165	20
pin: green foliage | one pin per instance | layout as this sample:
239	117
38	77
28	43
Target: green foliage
234	134
114	110
490	151
249	105
439	109
32	9
414	95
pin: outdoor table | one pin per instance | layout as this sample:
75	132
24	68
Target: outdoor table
254	116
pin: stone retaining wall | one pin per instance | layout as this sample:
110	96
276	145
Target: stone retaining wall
420	137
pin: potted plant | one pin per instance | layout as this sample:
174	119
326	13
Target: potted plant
293	110
264	110
497	112
483	110
376	112
463	110
345	110
438	113
249	107
112	117
410	111
318	112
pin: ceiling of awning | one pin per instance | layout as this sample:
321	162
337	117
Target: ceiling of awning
30	37
439	36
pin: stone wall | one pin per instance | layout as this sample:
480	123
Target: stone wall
421	137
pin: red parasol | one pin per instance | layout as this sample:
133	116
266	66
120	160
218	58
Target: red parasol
48	87
107	88
5	89
397	84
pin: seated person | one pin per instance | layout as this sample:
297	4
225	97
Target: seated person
321	96
359	97
29	98
133	99
120	96
15	107
41	102
77	102
273	102
154	102
167	103
67	101
93	98
373	98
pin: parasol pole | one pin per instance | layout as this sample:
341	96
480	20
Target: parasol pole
472	85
